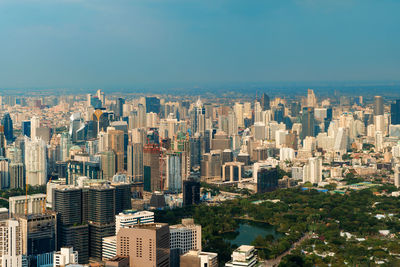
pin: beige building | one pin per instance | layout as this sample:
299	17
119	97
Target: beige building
197	258
34	204
145	245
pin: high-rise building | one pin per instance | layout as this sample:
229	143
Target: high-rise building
307	122
108	164
397	175
312	172
378	105
198	118
26	128
265	102
183	237
4	173
311	99
35	123
191	192
395	112
17	175
101	217
151	168
152	104
39	234
10	243
119	107
135	162
145	245
73	230
35	161
116	144
8	127
31	204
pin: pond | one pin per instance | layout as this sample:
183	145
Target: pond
248	231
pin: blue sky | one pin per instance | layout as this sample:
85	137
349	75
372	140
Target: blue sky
130	43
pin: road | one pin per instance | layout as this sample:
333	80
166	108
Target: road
277	260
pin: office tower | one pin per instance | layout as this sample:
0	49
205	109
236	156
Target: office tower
378	105
65	146
4	173
122	197
101	212
119	107
2	142
17	175
341	141
197	258
174	172
151	168
135	162
101	96
35	204
65	257
116	144
211	165
265	176
395	112
26	128
221	141
238	109
74	126
108	164
191	192
152	104
311	99
198	118
183	237
243	256
35	123
73	230
10	243
151	120
312	171
145	245
307	123
279	113
39	234
265	102
35	161
8	127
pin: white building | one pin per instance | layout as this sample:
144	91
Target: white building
109	247
128	218
184	237
10	244
65	257
397	175
35	123
286	153
312	171
35	161
243	256
207	259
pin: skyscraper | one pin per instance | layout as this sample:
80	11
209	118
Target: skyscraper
135	162
35	123
307	122
26	128
152	104
198	118
35	161
265	102
73	229
10	243
378	105
8	127
395	112
151	168
191	192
